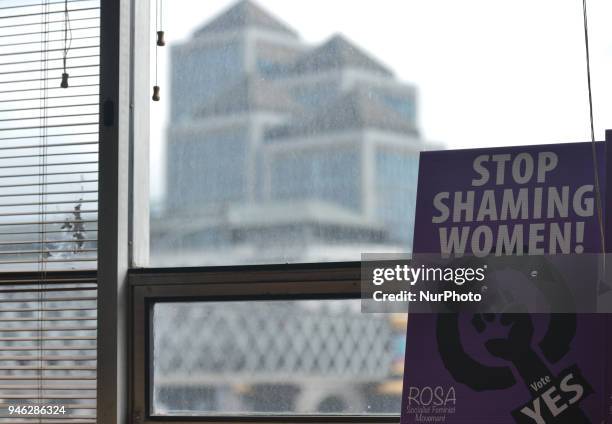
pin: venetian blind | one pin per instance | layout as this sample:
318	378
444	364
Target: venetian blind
48	209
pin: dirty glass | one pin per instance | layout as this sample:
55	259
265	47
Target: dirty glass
290	131
275	357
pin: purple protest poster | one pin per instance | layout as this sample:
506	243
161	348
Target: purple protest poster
512	368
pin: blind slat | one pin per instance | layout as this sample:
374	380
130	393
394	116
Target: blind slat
51	3
49	88
32	146
50	22
46	348
47	396
4	243
51	193
49	12
46	290
49	164
51	41
47	51
33	329
50	107
49	261
21	62
43	222
48	309
47	212
53	338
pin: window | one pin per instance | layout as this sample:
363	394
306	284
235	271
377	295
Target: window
274	342
290	133
273	357
285	128
322	174
287	133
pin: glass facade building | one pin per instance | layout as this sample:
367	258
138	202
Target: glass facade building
265	125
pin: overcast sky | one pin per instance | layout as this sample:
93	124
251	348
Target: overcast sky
489	72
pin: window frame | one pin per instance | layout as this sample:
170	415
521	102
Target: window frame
336	280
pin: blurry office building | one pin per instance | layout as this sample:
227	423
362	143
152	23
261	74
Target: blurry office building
280	151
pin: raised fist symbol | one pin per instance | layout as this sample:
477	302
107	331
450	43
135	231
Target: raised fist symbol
519	339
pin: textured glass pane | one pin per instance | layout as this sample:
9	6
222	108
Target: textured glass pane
275	357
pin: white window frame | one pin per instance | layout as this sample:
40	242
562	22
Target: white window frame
123	191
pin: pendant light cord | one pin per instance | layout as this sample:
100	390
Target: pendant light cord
157	25
159	4
42	194
598	199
